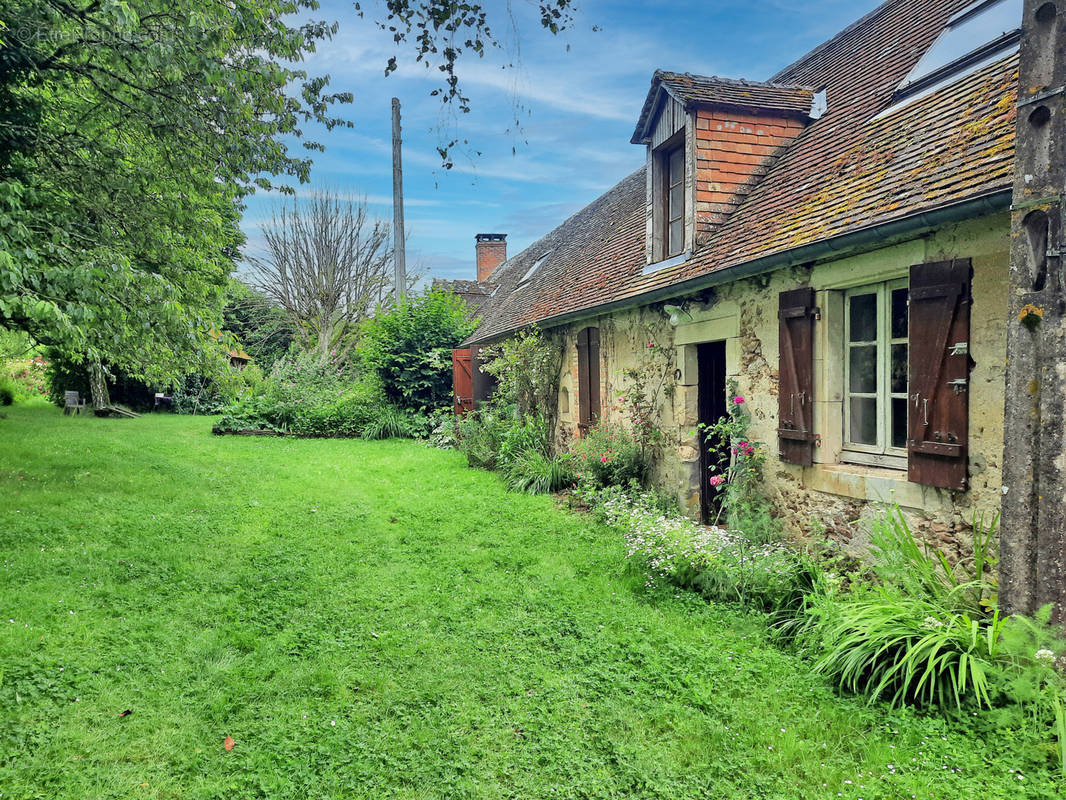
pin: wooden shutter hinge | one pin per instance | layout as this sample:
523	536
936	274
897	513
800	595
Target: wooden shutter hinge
959	385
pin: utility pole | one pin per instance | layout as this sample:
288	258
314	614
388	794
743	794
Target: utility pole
399	257
1033	532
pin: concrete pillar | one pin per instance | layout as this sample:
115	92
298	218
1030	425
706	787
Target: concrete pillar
1033	533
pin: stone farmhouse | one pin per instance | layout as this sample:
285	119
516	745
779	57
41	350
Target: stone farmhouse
834	241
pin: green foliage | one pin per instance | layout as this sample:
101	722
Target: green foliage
25	376
202	394
718	564
647	386
532	472
142	125
7	392
888	645
738	475
609	455
925	572
260	327
306	397
389	423
481	434
526	367
409	348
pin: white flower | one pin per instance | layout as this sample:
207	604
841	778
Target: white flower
932	623
1045	655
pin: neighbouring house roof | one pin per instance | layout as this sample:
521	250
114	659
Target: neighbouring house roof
695	90
473	293
598	246
864	163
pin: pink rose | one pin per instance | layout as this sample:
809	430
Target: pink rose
717	480
603	459
651	344
739	400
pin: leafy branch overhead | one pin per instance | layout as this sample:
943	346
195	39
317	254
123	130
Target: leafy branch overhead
440	32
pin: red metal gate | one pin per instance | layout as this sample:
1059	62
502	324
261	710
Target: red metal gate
462	381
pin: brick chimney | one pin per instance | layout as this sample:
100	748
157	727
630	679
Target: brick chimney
491	252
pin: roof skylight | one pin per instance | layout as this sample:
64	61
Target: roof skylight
982	30
532	270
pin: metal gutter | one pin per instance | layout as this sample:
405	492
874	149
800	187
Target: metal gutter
846	244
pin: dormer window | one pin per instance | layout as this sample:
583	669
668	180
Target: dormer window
708	141
673	205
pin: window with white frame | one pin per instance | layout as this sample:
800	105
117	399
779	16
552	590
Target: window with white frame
875	374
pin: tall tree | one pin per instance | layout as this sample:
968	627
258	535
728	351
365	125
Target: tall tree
140	127
327	264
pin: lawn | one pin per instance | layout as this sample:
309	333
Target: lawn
373	619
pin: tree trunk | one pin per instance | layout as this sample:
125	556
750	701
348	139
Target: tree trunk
98	386
1033	532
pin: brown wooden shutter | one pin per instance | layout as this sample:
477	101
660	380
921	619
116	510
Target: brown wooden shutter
795	399
938	374
462	381
588	376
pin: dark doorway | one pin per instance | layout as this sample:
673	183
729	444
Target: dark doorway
714	456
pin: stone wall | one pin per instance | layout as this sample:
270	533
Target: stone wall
831	496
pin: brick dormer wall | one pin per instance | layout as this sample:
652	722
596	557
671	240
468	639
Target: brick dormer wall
734	149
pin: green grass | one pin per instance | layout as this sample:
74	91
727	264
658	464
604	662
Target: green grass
374	619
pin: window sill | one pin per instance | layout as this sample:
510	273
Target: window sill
673	261
873	484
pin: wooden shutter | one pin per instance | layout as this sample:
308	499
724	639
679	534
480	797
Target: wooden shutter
938	374
795	399
588	376
462	381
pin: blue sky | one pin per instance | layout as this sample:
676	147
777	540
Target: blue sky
577	96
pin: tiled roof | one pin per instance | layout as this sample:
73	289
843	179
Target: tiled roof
473	293
588	256
697	90
855	168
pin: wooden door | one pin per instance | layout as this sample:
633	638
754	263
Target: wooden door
462	381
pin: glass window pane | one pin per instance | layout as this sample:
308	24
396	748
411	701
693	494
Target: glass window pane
677	166
677	236
863	317
967	35
899	313
864	420
862	369
899	422
677	201
898	379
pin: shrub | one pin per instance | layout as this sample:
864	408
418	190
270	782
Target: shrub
305	396
409	348
481	434
526	368
7	392
26	378
610	456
